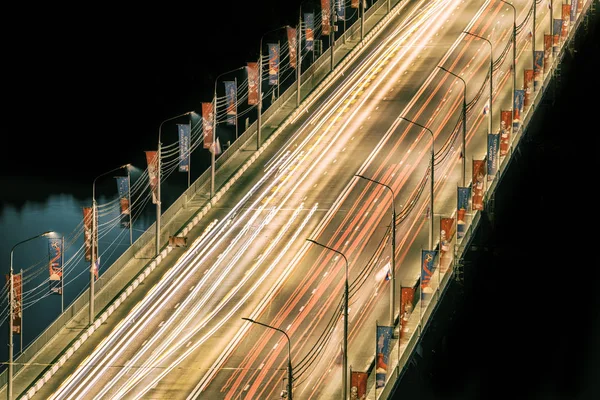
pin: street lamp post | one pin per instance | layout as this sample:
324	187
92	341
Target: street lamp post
464	124
362	19
95	239
514	62
259	108
393	274
289	368
11	300
431	169
158	168
345	341
214	137
491	74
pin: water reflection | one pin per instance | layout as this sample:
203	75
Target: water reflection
30	206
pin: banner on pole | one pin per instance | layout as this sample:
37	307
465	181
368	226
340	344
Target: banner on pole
309	30
463	195
325	17
446	235
547	52
573	11
124	201
407	296
518	107
207	124
184	146
252	70
341	9
538	72
358	385
292	45
87	232
478	184
152	161
427	270
273	63
55	266
528	87
556	33
505	118
231	99
492	155
384	336
17	309
566	11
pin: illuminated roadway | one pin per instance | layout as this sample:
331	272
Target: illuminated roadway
186	339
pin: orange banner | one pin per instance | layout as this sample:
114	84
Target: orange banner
252	70
358	385
152	161
207	124
478	184
325	17
528	87
17	310
407	295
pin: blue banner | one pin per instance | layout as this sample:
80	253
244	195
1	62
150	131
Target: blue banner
427	270
518	107
463	196
124	200
573	10
556	28
538	69
493	144
231	98
184	147
55	265
309	29
273	63
340	7
384	335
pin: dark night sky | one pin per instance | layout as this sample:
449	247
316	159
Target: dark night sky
86	89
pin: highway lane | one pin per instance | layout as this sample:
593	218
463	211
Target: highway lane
259	229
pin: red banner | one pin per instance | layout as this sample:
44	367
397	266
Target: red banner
292	45
407	295
152	160
207	124
528	87
87	232
566	16
505	124
547	52
478	184
252	69
446	235
17	302
358	385
325	17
